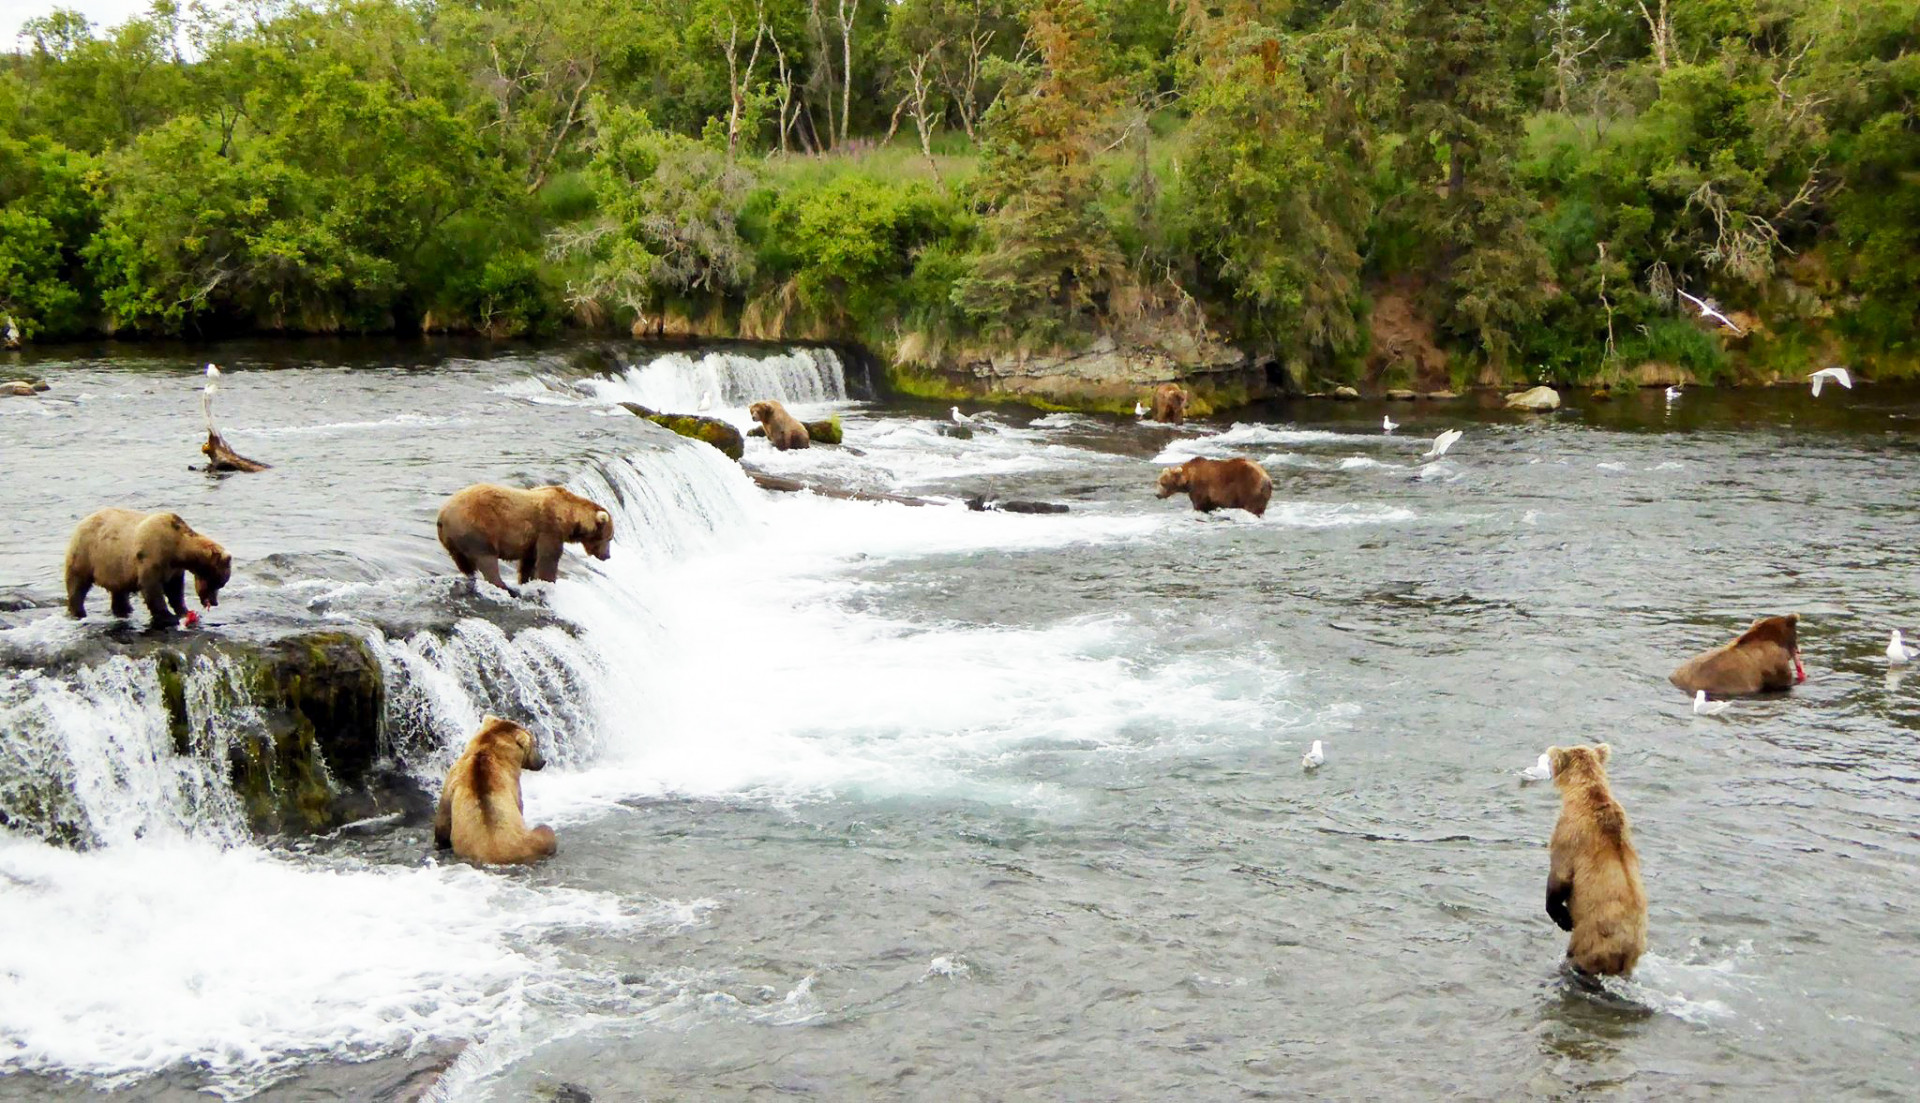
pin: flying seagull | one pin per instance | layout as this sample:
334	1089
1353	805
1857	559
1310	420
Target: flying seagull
1673	394
1898	653
1441	443
1539	771
1704	707
1708	310
1388	425
1314	757
1838	375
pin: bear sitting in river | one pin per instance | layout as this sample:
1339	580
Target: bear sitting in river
1765	657
1170	403
484	523
481	815
1220	484
784	431
123	550
1593	884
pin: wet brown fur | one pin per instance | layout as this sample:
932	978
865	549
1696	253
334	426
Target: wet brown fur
784	431
481	815
1170	403
1758	661
1220	484
1593	884
484	524
124	551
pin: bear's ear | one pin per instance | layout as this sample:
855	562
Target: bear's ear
602	518
1602	752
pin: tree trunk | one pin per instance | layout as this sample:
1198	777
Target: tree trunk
222	458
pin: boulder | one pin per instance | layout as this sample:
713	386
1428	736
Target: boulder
1346	394
1438	396
1401	394
1538	398
22	388
720	434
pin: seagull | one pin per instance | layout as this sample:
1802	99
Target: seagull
1898	653
1139	408
1708	310
960	418
1539	771
1838	375
1314	757
1441	443
207	393
1387	424
1673	394
706	399
1704	707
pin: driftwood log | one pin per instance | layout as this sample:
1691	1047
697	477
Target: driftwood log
978	503
222	458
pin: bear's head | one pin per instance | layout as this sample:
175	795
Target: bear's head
1784	631
1173	480
211	574
596	533
510	743
761	412
1177	401
1586	761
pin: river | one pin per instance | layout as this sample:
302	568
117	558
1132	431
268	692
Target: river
864	800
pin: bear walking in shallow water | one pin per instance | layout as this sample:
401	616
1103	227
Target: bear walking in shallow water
481	816
1763	658
484	524
1593	884
123	551
1220	484
1170	403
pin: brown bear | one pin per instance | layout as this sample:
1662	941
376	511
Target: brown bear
484	523
1170	403
123	550
1763	658
481	815
1593	884
1220	484
784	431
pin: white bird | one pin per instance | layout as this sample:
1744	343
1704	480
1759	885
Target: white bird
1898	653
1704	707
706	399
13	333
1441	443
1838	375
1139	408
1673	394
1708	310
213	375
1387	424
1314	757
1539	771
960	418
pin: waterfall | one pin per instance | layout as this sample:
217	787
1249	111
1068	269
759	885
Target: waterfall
676	381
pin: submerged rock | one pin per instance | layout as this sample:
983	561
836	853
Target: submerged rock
23	388
720	434
1538	398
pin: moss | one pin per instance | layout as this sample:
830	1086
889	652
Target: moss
825	432
171	668
711	430
324	700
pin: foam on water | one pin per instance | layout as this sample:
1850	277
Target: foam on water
245	963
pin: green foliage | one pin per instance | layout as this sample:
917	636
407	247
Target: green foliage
849	248
46	217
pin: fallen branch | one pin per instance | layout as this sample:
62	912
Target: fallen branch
222	458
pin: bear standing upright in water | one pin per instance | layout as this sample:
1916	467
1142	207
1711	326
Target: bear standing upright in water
481	815
1170	403
1764	657
784	431
124	550
1593	884
1220	484
484	523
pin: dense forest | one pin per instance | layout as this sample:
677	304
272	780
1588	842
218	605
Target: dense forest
1523	188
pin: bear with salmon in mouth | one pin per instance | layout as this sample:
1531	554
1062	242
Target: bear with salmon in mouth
1764	658
124	551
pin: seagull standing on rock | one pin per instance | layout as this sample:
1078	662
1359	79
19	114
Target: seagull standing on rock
1838	375
1441	443
1704	707
1314	757
1898	653
1388	425
960	418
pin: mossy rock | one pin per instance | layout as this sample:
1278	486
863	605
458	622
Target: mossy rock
720	434
323	698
